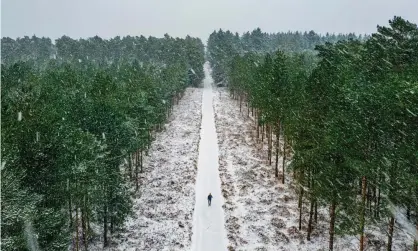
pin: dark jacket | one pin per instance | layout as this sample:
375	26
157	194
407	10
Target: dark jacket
210	197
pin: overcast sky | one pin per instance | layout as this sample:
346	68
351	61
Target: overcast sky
108	18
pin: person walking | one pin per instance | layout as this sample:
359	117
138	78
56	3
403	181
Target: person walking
210	199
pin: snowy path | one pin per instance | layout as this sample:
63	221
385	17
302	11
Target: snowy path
208	222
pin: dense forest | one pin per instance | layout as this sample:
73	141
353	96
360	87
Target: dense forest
77	118
151	51
223	45
347	114
78	115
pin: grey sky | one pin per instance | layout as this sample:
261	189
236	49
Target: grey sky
108	18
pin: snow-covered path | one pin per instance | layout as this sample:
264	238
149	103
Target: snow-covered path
208	222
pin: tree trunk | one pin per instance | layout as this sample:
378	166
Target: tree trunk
240	103
374	194
378	203
316	211
277	149
148	143
136	171
312	202
311	212
83	222
140	161
133	163
392	174
111	212
258	130
105	243
408	211
76	230
415	240
332	226
271	142
262	133
300	204
390	233
112	221
130	166
369	204
87	221
284	157
248	110
256	117
69	204
363	212
268	142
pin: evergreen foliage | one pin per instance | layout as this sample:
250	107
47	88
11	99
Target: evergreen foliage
347	114
75	128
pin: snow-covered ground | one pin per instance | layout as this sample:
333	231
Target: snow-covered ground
260	212
163	207
208	221
257	211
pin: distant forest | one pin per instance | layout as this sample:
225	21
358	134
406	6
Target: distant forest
153	49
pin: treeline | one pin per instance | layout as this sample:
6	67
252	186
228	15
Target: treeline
348	119
224	45
73	136
151	50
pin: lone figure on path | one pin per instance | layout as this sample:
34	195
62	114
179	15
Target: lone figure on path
210	198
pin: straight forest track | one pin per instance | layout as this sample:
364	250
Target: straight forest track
208	221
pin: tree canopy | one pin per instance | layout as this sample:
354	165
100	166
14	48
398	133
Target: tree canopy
347	111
